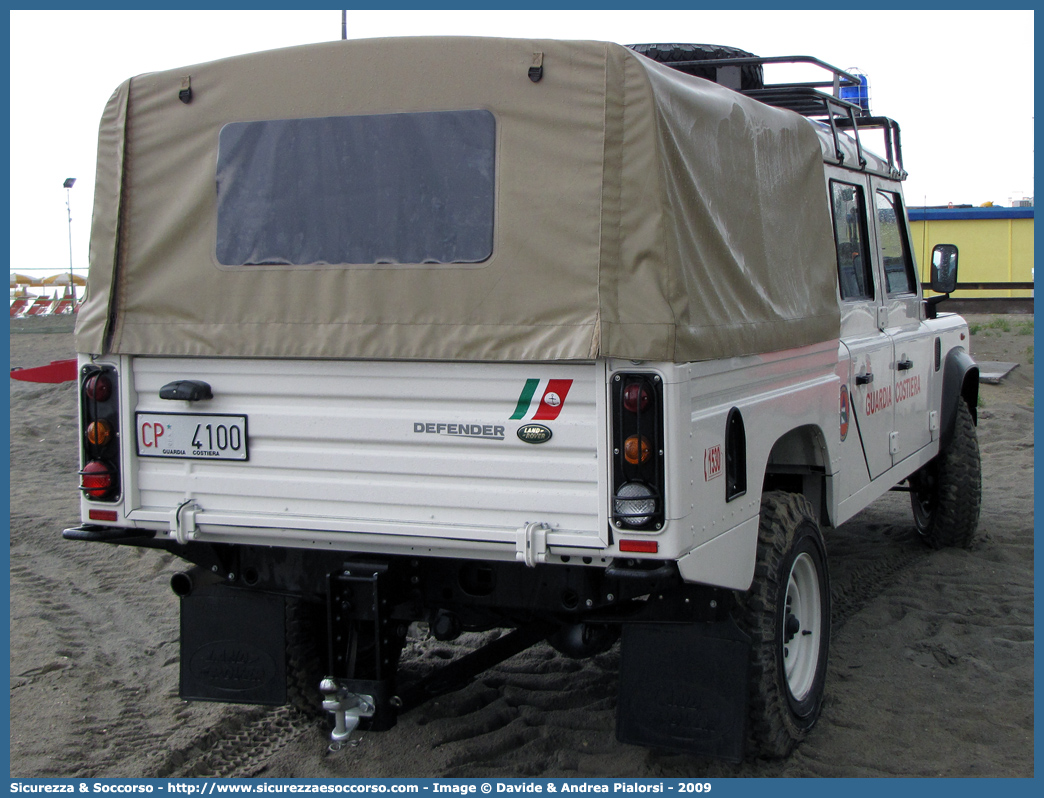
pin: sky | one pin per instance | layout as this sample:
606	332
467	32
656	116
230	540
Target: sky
959	83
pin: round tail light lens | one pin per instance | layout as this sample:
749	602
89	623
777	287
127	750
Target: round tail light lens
635	397
636	450
99	432
96	479
98	387
634	504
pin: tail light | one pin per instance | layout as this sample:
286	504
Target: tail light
100	444
636	450
99	432
98	387
635	397
97	479
638	457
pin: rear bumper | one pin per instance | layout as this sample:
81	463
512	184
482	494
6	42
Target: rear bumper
106	534
532	544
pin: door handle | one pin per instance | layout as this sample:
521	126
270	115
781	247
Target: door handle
186	390
905	365
865	379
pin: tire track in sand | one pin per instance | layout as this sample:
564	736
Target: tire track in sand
238	746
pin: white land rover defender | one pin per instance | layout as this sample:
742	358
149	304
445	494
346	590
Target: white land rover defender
583	341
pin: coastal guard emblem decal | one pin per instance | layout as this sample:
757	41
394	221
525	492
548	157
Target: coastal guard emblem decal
534	433
548	406
844	412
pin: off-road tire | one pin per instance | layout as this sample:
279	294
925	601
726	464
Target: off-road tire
791	590
751	76
306	660
946	493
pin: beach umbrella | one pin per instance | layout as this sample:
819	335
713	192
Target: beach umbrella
63	279
22	279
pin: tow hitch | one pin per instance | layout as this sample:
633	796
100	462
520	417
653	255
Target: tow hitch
365	644
347	708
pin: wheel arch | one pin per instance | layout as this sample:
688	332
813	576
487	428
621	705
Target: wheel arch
960	381
799	462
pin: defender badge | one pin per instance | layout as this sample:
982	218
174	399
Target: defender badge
534	433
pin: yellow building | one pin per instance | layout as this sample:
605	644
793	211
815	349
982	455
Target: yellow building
995	248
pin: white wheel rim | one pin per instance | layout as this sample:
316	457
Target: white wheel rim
803	604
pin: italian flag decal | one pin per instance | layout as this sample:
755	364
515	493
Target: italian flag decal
552	395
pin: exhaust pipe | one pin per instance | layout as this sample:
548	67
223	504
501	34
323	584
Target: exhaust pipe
181	584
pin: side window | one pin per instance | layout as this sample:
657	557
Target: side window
900	277
854	272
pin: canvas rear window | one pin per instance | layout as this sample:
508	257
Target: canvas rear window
381	189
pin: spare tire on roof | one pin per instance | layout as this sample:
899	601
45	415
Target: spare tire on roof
674	55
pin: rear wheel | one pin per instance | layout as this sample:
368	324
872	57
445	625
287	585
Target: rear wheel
946	493
306	659
786	612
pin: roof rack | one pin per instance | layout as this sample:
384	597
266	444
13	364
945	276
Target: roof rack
809	100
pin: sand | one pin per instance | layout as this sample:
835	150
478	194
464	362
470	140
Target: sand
931	661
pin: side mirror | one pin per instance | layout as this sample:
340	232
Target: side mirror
944	268
944	276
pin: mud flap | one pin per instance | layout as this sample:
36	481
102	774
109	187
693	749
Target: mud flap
233	647
683	688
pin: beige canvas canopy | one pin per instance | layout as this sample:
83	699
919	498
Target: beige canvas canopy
615	208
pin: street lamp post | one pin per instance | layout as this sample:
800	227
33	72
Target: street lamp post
68	184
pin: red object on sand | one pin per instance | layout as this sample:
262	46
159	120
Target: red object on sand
57	371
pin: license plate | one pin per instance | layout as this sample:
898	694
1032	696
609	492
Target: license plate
192	436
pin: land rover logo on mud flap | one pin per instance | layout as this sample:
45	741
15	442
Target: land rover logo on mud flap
232	665
534	433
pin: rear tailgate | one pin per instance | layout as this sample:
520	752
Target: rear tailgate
407	457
